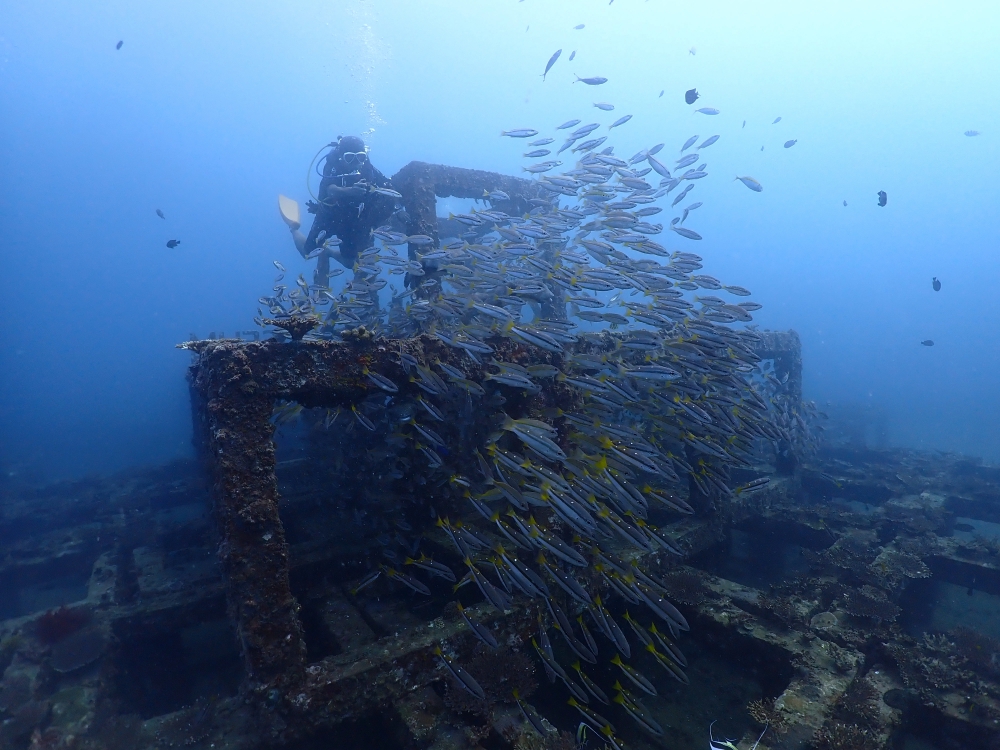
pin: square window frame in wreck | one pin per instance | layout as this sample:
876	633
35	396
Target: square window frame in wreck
234	387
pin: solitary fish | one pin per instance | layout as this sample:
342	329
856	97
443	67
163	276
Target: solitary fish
936	284
845	203
708	111
551	62
173	243
520	133
120	43
685	232
595	81
751	183
604	106
969	133
744	124
620	121
693	51
691	96
578	27
160	214
882	198
789	144
927	342
776	120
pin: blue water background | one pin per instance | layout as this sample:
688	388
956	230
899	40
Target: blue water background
209	110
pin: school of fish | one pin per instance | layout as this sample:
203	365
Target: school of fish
548	504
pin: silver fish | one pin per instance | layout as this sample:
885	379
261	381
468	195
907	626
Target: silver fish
751	183
620	121
551	62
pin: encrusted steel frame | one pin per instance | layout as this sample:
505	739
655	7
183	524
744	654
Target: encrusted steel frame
421	184
235	386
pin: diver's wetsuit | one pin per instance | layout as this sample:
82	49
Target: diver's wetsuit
350	219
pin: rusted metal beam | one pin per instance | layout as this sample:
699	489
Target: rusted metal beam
421	184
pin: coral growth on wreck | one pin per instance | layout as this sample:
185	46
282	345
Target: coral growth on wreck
839	736
980	651
855	722
686	586
866	605
499	672
763	712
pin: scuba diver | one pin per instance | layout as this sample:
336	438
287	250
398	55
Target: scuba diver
347	206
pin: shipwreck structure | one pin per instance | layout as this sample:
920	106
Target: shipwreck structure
216	604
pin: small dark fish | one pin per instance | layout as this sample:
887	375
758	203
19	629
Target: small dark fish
789	144
927	342
691	96
120	43
661	93
160	214
970	133
845	203
744	124
173	243
551	62
936	284
882	198
572	55
776	120
578	27
595	81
